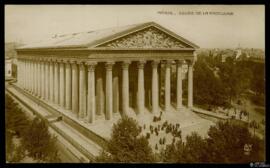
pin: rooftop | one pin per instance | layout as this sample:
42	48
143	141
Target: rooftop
92	38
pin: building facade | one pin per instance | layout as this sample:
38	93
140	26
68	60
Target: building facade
98	73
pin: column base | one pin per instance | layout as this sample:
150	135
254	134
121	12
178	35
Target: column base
179	109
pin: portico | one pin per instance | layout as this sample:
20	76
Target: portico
99	73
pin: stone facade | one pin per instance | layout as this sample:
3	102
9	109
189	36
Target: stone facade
118	74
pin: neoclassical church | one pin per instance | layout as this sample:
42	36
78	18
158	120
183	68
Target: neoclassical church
102	72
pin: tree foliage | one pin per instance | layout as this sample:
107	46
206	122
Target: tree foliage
126	145
224	144
208	89
218	83
39	142
33	135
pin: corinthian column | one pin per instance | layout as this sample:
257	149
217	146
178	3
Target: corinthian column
155	91
56	82
51	81
62	84
190	84
28	76
36	77
42	79
68	85
140	94
125	87
179	104
32	77
91	100
109	90
47	80
167	85
22	74
82	92
75	88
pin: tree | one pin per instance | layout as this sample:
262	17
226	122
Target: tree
126	145
16	119
173	153
191	151
225	144
10	146
258	80
39	143
195	149
208	89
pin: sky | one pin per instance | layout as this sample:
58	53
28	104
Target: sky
208	26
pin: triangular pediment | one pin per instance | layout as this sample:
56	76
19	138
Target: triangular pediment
147	38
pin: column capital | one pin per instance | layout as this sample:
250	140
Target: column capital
168	63
59	60
190	62
140	64
81	62
66	61
125	64
91	65
109	65
72	61
155	63
50	59
81	65
74	65
46	59
179	62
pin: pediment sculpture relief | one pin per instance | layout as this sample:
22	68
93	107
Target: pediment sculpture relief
147	38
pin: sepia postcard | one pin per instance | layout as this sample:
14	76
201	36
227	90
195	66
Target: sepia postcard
135	84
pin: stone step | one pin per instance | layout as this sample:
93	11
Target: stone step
70	133
81	142
67	116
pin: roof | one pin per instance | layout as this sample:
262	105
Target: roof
91	39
